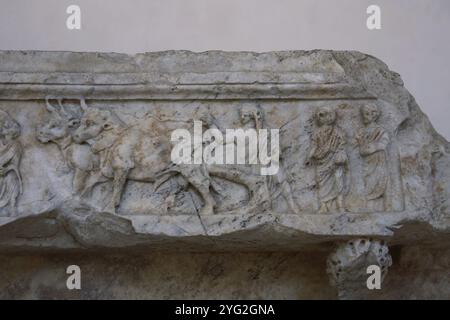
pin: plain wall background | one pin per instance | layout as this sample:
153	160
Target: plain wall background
414	39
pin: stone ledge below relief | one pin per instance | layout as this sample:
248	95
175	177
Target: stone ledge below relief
75	228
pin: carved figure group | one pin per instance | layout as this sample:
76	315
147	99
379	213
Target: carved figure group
100	147
329	157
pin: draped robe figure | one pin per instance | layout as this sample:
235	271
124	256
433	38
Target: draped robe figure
329	158
373	141
10	156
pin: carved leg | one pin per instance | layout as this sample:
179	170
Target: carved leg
340	203
210	203
323	208
202	186
384	206
200	180
347	266
120	178
92	182
79	181
286	192
256	184
375	205
12	212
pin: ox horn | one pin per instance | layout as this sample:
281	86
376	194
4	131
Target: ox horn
83	104
50	108
63	109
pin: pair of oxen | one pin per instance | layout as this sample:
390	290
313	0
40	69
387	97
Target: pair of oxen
100	147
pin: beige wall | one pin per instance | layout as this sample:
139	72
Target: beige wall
413	40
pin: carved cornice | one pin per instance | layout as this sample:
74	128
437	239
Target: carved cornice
33	75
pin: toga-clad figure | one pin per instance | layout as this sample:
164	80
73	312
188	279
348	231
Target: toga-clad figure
329	158
373	141
10	156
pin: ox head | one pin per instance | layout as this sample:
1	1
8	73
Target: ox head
94	122
61	124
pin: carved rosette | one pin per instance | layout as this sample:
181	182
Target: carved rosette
347	265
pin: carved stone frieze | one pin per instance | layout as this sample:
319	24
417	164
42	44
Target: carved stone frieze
335	149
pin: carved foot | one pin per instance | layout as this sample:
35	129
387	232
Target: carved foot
12	212
110	209
341	204
347	266
207	210
294	207
256	207
323	208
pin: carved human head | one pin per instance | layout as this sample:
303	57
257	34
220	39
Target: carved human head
250	113
9	128
325	116
370	113
208	120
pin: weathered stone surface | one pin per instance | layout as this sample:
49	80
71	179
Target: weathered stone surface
86	169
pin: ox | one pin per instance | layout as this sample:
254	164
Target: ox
129	153
79	157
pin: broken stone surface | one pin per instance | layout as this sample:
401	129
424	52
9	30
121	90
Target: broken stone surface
86	136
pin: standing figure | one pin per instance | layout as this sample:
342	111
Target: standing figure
329	158
10	156
373	141
253	117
